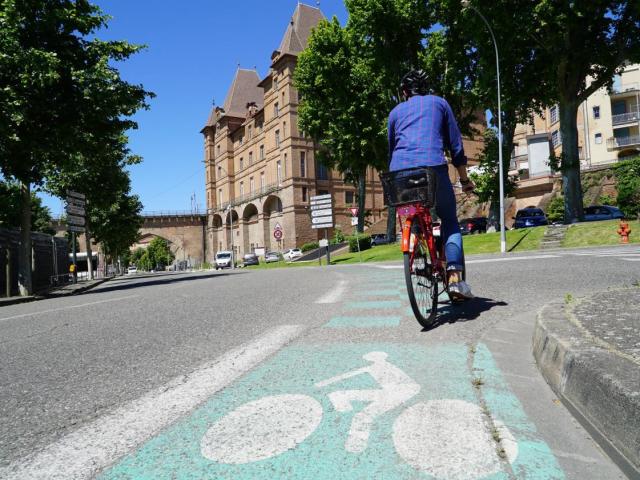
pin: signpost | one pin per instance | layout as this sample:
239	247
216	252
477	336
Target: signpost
76	221
322	217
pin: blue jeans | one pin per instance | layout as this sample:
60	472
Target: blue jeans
446	210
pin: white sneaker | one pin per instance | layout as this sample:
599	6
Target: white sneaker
460	291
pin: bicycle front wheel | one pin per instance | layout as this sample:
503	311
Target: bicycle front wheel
422	285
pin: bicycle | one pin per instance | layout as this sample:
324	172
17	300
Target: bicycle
412	191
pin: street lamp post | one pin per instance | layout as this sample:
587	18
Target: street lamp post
233	254
503	236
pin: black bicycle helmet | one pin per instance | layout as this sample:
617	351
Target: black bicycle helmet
414	83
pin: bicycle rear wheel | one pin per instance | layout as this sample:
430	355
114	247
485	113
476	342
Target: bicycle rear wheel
422	285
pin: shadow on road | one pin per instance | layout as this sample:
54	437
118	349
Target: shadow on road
132	283
465	311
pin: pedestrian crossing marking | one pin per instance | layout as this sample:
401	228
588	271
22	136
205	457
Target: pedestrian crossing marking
364	322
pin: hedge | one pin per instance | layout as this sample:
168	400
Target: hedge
363	239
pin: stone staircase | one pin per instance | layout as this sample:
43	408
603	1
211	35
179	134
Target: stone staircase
553	236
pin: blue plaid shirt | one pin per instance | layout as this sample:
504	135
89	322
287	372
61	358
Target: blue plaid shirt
420	130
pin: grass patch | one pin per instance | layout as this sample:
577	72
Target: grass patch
590	234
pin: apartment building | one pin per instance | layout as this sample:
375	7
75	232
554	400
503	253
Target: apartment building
260	168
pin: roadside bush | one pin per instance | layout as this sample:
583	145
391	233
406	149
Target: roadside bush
338	236
363	239
628	175
309	246
555	210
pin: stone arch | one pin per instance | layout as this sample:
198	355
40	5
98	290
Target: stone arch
252	235
231	226
272	214
272	205
216	233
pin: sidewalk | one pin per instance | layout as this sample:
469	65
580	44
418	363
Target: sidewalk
63	291
589	352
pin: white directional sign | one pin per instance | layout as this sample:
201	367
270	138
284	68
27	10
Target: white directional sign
321	197
77	221
73	210
354	221
318	220
323	242
80	196
327	212
321	211
75	202
75	228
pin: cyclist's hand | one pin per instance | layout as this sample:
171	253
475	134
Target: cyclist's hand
468	187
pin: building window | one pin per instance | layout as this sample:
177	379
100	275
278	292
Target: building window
304	194
277	138
596	112
241	163
240	139
219	171
553	114
276	109
348	197
260	127
323	192
220	195
303	164
555	138
322	173
285	165
252	185
283	104
261	152
279	172
262	181
250	132
217	150
275	83
598	138
284	129
250	158
241	189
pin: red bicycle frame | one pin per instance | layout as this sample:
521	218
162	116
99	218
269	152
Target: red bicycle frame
416	212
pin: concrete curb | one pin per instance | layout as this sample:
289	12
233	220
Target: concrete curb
600	387
75	291
15	300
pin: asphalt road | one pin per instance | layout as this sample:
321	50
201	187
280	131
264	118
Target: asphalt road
72	368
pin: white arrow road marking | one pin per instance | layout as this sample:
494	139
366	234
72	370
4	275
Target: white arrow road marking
262	429
333	295
85	452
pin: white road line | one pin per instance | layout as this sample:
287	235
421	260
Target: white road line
631	259
333	295
87	451
68	308
510	259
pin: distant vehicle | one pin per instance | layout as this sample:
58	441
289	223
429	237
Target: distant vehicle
271	257
602	212
223	259
292	254
379	239
250	259
469	226
132	270
530	217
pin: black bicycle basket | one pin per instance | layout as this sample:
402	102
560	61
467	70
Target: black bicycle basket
411	185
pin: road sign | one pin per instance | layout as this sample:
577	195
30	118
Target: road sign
75	202
77	221
323	242
75	228
322	225
79	196
277	227
354	221
320	207
277	234
327	212
324	203
321	197
73	210
325	219
354	211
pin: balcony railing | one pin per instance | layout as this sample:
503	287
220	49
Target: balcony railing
627	87
260	192
620	142
626	117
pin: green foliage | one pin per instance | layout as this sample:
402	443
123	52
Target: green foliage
338	236
627	173
555	210
607	200
309	246
362	239
159	253
10	209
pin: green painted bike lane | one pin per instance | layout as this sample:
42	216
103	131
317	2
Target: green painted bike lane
383	410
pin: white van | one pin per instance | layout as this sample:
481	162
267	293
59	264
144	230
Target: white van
223	259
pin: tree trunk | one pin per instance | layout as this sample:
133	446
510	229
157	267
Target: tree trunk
362	191
87	238
25	284
391	224
571	185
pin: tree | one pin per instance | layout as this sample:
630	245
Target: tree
586	43
58	88
628	176
10	209
159	253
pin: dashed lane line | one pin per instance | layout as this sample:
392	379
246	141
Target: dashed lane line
87	451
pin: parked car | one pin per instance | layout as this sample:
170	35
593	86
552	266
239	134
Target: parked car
271	257
250	259
292	254
132	270
530	217
223	259
379	239
602	212
473	225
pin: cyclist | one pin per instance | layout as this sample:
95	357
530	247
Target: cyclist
421	128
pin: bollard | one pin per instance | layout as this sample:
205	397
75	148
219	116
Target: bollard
624	231
8	272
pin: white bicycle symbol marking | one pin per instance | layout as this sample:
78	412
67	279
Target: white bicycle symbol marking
445	438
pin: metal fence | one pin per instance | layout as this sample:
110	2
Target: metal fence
49	265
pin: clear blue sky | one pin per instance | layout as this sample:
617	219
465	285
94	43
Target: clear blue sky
193	51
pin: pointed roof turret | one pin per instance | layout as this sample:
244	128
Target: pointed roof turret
298	32
243	90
